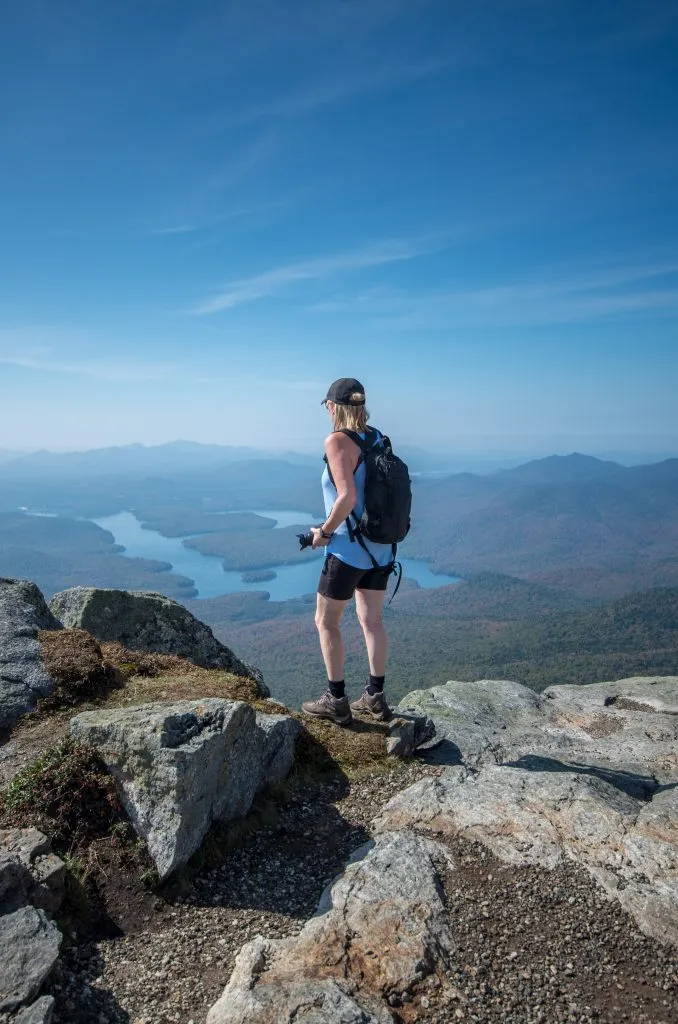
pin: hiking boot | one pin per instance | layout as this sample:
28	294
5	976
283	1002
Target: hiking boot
373	704
336	709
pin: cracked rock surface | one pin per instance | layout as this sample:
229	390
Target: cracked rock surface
380	928
581	773
31	879
23	676
627	725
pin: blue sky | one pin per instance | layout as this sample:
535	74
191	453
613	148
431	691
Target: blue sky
211	210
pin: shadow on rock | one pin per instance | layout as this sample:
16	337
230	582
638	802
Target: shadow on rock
445	752
643	787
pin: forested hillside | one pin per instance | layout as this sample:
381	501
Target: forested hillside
488	627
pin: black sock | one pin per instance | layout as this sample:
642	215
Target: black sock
375	685
337	689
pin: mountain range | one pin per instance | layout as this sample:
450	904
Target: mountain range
592	527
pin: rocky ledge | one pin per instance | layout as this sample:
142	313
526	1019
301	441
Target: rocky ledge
579	775
138	621
143	621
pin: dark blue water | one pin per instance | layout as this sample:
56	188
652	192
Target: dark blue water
212	580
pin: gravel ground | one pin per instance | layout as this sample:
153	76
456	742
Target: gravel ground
543	947
534	947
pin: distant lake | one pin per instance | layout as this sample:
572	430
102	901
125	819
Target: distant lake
210	578
280	517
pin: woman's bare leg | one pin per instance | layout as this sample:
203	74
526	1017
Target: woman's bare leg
327	618
370	608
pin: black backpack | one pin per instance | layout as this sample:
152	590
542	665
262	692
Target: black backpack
388	495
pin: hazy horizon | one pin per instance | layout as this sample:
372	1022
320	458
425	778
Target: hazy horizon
490	451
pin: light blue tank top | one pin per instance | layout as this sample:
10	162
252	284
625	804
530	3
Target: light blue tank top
341	544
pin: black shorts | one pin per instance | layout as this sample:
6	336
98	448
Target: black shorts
340	581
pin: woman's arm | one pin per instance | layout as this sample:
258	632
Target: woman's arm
342	457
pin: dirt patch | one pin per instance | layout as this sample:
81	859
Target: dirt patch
603	725
66	793
627	704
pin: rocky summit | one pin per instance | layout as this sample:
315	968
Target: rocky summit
585	775
492	855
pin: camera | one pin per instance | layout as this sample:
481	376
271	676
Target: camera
305	540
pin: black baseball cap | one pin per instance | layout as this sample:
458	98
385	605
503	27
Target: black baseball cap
341	390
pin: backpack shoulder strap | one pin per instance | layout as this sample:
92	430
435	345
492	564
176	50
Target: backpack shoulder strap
363	443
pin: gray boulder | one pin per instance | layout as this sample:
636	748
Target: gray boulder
31	882
29	949
151	622
378	930
23	677
180	767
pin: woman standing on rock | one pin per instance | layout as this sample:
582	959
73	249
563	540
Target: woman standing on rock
354	566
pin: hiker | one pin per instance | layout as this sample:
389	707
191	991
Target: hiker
354	565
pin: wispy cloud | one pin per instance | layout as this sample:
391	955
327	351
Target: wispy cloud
600	292
208	200
125	371
179	229
101	369
332	90
271	282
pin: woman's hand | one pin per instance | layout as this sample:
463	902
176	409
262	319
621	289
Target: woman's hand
318	540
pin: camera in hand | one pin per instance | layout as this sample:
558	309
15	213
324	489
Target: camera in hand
305	540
